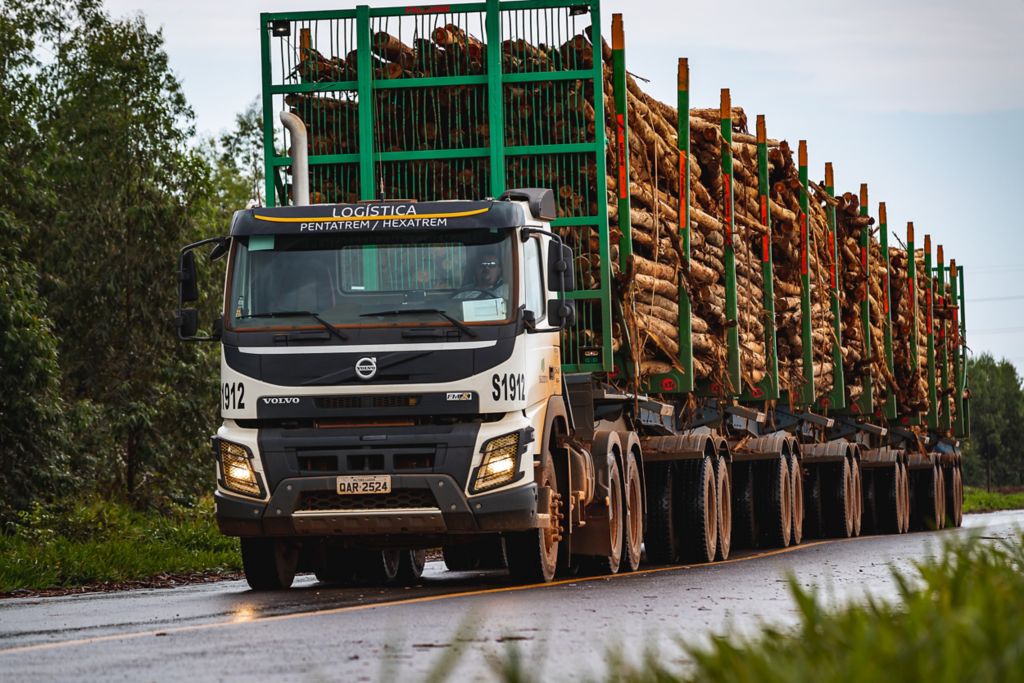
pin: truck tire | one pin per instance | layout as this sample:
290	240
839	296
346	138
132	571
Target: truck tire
796	486
698	513
928	496
723	495
906	497
955	496
839	508
269	563
858	496
410	565
744	520
377	567
533	554
633	503
887	500
460	557
777	511
609	564
661	541
814	507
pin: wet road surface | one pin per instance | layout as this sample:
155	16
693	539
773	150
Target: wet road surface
223	631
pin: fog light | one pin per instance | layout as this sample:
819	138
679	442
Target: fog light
500	463
237	469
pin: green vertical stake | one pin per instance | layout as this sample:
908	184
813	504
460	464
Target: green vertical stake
837	399
933	403
806	331
735	378
621	140
942	357
683	143
866	403
769	386
964	384
915	364
954	344
269	170
883	236
495	109
364	69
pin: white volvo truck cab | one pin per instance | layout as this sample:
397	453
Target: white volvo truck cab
390	381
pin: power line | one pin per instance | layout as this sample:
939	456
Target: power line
997	330
1014	297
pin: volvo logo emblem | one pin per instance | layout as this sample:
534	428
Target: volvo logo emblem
366	367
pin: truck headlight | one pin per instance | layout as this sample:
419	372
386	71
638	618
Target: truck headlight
500	463
236	467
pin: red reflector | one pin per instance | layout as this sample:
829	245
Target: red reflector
668	384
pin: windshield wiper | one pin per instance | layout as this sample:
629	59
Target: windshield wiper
295	314
454	321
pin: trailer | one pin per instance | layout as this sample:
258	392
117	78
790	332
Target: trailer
427	337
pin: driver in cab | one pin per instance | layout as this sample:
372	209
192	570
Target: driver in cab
488	280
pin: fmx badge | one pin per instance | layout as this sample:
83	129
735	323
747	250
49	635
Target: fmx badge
460	396
366	367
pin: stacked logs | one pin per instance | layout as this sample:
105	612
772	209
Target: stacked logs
911	384
650	280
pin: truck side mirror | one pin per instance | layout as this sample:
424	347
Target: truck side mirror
187	322
188	282
561	276
561	313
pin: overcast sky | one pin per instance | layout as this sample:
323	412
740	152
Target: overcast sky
922	99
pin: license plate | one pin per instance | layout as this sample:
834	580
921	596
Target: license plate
370	483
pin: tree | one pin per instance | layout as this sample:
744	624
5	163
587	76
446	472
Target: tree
242	150
993	454
118	129
31	455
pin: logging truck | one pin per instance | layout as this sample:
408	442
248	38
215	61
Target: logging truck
433	334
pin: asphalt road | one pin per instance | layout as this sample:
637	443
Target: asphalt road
564	630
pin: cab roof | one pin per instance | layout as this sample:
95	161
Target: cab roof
378	216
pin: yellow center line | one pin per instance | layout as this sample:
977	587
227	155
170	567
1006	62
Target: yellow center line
408	601
342	219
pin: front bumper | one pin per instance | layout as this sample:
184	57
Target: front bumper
418	504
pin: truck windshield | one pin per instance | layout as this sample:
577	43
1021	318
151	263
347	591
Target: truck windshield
372	279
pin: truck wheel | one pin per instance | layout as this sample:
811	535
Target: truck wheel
778	512
633	499
942	497
858	497
814	510
930	510
840	501
661	541
887	490
723	495
699	510
533	554
743	513
269	563
460	557
796	485
410	565
609	564
956	495
905	497
377	567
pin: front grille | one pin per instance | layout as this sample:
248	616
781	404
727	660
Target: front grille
339	402
311	501
353	402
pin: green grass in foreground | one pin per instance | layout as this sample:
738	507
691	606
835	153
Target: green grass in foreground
959	617
980	500
82	542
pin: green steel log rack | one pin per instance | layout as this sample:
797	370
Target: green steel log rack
836	399
503	140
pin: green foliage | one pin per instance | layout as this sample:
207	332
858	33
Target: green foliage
103	183
72	543
980	500
993	456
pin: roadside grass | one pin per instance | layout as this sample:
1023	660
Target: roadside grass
959	617
74	543
980	500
